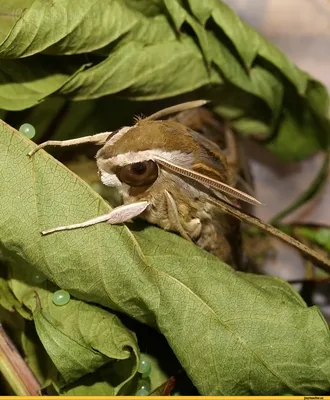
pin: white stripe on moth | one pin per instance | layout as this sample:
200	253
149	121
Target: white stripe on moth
123	190
175	156
118	135
110	179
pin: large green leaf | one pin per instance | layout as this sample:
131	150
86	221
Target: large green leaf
7	299
150	50
244	38
72	27
147	72
300	133
68	35
11	12
234	334
26	82
36	356
80	337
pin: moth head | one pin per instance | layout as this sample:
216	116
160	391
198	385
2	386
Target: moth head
130	155
135	157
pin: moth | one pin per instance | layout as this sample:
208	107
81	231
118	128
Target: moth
176	178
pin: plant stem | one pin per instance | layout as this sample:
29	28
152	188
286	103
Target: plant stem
13	368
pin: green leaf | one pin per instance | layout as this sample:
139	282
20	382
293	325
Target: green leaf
95	384
78	337
14	325
248	43
319	236
270	86
59	119
36	356
247	113
7	299
10	13
318	97
3	114
241	327
150	50
146	71
274	55
69	35
251	126
314	188
299	125
44	117
23	334
214	50
244	38
26	82
73	30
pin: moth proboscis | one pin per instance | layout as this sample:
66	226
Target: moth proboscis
175	178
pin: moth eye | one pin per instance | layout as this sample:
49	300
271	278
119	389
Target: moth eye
138	174
139	168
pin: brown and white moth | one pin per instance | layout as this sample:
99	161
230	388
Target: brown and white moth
176	178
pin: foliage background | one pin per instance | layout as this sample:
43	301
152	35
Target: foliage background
116	71
305	38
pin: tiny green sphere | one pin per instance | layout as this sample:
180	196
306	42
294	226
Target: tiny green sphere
144	384
28	130
61	297
144	366
142	392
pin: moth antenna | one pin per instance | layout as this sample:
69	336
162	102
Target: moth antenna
118	215
248	188
317	258
177	108
206	181
99	138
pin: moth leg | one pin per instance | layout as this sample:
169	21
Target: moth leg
173	216
99	138
117	216
195	227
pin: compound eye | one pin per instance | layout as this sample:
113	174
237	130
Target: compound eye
138	174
